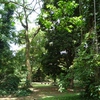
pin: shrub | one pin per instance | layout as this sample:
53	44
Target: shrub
93	93
10	84
63	82
23	92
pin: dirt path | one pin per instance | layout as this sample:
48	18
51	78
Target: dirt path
38	93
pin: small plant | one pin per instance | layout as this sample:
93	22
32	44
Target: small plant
63	83
23	92
93	93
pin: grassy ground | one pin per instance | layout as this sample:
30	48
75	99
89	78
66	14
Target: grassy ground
46	91
68	96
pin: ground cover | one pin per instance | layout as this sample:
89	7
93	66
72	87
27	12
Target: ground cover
46	91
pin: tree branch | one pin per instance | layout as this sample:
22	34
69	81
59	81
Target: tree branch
19	16
16	3
34	9
36	32
30	3
25	14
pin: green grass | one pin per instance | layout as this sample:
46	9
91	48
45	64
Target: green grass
74	96
62	96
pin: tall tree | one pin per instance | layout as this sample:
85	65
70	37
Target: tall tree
6	35
91	13
61	27
23	12
23	16
87	62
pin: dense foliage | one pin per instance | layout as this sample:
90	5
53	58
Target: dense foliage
67	48
6	31
74	29
60	26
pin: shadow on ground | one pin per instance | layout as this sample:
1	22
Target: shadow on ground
38	92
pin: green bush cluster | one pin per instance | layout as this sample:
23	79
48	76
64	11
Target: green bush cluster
92	93
9	85
63	82
86	66
23	92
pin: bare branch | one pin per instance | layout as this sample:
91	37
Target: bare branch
39	1
32	9
25	14
26	10
30	3
16	3
19	16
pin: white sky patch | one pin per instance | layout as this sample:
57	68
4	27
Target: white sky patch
63	52
15	48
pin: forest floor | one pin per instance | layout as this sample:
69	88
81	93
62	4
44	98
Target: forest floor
40	90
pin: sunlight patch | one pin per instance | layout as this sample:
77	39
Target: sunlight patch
47	97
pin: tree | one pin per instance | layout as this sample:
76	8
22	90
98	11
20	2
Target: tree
87	61
23	16
8	80
23	12
61	27
6	35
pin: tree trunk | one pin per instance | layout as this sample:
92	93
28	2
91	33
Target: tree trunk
28	65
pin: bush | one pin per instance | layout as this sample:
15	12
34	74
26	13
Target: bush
62	82
10	84
93	93
23	92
